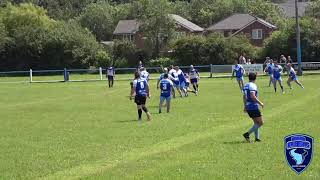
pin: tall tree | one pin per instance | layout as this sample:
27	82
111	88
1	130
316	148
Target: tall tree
156	23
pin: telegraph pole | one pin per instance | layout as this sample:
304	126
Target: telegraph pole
298	39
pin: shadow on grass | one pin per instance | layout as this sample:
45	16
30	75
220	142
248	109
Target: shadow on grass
235	142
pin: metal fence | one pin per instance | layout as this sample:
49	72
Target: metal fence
82	75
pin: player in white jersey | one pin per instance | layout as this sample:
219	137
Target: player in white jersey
175	80
110	76
187	85
194	78
239	71
144	74
165	71
292	76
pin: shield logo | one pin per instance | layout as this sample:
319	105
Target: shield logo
298	149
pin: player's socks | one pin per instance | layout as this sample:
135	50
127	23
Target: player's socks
159	111
257	133
139	114
275	90
253	129
246	136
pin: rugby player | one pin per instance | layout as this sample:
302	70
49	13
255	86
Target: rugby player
140	91
251	106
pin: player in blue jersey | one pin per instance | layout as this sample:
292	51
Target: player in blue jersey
277	71
239	71
268	70
292	76
194	78
251	106
166	86
182	81
140	91
165	71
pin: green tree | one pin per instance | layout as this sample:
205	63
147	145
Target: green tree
156	23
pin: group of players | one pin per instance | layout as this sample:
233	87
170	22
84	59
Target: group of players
274	71
250	91
172	80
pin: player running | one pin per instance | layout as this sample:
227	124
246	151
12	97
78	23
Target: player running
239	71
140	91
187	87
268	70
166	86
251	106
194	78
292	76
182	81
176	83
277	71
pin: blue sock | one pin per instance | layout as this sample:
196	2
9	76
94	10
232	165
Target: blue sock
253	129
257	133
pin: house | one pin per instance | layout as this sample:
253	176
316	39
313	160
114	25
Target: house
130	30
256	29
289	10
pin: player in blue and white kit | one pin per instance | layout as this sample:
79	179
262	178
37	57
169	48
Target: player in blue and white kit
251	106
175	80
140	91
182	81
165	71
166	86
239	71
194	78
144	74
277	71
292	76
268	70
187	85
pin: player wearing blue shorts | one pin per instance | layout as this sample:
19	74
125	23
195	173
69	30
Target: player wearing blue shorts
187	85
140	92
277	71
251	106
182	81
166	86
239	71
268	70
292	76
175	80
194	78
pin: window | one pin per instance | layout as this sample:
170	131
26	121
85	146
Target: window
128	37
257	34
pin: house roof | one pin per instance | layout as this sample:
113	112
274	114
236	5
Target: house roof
186	23
289	11
127	27
238	21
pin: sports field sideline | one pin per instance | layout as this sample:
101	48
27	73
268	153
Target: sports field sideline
87	131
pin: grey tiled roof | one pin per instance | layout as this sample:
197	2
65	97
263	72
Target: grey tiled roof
127	27
186	23
237	21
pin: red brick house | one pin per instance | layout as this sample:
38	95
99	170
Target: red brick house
129	30
256	29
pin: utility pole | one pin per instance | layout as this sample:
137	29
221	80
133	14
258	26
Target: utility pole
298	39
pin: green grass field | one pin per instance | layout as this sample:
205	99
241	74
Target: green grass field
87	131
